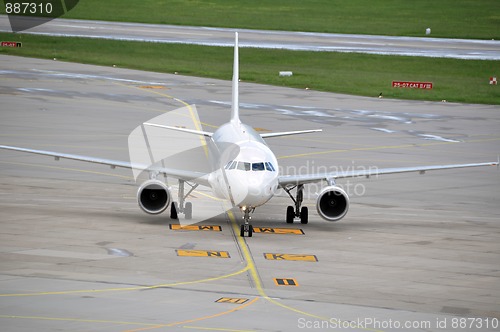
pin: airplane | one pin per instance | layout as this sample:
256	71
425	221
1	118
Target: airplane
248	177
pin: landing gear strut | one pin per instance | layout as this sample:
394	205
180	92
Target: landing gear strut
183	206
299	211
246	227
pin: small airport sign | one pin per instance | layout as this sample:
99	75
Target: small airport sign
178	227
285	282
412	85
11	44
270	230
290	257
231	300
203	253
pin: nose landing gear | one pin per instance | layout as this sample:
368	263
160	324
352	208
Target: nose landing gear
246	228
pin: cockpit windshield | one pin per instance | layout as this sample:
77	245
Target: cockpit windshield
258	167
245	166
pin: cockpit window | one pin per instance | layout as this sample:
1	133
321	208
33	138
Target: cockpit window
243	166
269	166
258	167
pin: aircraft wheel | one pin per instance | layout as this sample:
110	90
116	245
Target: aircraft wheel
173	211
248	229
188	211
290	214
304	215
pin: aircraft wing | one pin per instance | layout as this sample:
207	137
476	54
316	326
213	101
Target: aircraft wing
286	180
197	177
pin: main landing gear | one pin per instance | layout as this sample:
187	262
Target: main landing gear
297	211
183	206
246	228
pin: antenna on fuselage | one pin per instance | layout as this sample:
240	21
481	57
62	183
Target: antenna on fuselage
235	112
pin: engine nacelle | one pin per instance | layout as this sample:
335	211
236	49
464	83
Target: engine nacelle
332	203
153	197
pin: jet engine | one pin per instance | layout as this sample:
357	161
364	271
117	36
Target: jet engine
153	197
332	203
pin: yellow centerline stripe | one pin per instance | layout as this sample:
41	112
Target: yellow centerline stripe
76	320
253	269
197	319
258	284
190	109
215	329
123	289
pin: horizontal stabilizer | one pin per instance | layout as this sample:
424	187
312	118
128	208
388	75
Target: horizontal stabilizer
191	131
287	133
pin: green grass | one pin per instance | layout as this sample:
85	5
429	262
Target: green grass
464	81
447	18
369	75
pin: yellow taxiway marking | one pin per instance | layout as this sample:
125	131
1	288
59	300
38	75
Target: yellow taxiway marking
215	329
197	319
285	282
269	230
146	326
177	227
202	253
290	257
192	114
252	269
80	320
233	300
159	87
128	289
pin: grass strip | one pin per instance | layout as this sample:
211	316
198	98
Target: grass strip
447	18
465	81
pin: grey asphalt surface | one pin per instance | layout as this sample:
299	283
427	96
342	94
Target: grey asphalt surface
306	41
76	252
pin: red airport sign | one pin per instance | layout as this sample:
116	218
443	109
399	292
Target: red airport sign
412	85
11	44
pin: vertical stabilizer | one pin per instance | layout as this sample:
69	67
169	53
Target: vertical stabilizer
235	112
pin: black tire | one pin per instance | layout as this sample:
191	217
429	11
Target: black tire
290	214
188	211
250	231
173	211
304	215
242	231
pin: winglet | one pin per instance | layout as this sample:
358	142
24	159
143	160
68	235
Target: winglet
235	116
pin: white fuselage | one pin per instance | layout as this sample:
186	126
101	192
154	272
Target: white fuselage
248	169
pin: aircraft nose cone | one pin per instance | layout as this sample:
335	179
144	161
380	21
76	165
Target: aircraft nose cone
256	193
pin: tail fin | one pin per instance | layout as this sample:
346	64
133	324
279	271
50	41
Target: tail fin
235	112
